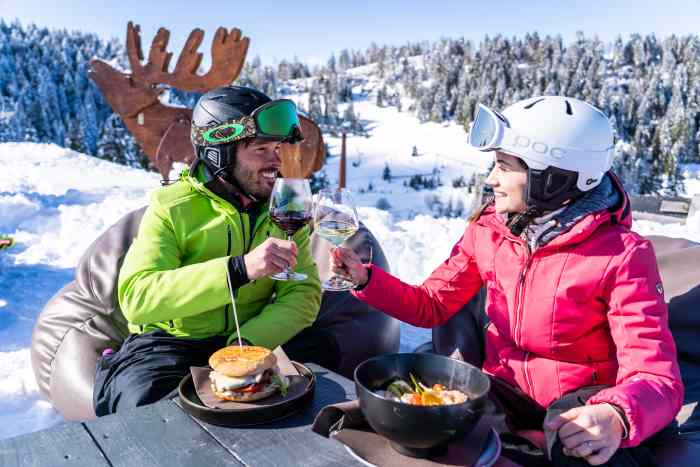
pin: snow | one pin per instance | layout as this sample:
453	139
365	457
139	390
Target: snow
55	202
691	175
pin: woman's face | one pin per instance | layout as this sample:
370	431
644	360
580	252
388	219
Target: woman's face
508	180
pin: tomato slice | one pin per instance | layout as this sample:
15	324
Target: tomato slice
255	387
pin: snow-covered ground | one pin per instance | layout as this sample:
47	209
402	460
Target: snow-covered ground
55	202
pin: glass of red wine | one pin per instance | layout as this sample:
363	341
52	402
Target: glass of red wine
291	206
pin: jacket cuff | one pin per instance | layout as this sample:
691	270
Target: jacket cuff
367	290
368	267
613	397
623	419
237	272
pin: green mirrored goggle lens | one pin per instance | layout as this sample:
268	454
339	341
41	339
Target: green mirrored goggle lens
277	118
223	133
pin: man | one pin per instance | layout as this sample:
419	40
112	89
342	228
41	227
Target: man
203	240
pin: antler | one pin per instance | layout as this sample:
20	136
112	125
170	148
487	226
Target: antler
228	51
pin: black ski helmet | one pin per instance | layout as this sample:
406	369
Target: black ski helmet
217	107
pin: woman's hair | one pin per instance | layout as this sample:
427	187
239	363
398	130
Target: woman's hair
480	210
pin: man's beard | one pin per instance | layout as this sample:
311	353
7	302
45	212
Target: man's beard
247	180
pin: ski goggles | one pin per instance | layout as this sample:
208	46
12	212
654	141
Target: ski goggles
277	120
488	129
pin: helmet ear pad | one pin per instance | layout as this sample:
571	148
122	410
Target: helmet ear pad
551	188
218	158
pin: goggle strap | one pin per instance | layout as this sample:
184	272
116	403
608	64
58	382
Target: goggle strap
227	132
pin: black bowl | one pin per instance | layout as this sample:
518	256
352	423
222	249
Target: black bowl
420	431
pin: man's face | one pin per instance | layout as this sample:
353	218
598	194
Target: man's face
257	166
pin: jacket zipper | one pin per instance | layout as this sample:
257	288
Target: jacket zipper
519	294
228	253
519	312
528	381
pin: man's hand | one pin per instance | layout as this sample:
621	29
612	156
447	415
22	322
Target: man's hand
593	432
347	264
270	257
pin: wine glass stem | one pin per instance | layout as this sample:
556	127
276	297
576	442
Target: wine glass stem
288	270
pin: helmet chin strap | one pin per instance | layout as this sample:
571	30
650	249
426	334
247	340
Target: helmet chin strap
226	176
518	222
546	190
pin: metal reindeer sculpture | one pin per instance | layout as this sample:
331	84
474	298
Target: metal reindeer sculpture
162	131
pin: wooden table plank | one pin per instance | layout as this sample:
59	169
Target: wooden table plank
160	434
68	444
291	441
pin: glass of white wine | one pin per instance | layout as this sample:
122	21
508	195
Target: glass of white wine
335	219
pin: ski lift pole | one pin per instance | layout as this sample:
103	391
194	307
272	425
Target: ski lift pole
341	175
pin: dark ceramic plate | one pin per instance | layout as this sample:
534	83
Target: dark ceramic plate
489	455
256	415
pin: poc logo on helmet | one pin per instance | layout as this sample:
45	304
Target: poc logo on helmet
591	181
541	148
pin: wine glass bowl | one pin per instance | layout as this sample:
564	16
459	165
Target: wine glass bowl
290	210
335	220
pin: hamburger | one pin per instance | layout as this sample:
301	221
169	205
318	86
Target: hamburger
246	373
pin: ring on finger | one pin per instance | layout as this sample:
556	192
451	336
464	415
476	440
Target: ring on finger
588	449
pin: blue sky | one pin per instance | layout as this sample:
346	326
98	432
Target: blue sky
313	29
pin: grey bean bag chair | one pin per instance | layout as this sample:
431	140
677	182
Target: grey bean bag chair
83	318
679	264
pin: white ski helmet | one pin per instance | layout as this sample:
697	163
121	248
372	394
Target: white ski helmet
566	143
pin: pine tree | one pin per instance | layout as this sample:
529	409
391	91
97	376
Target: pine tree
88	123
386	174
110	146
74	137
381	96
315	110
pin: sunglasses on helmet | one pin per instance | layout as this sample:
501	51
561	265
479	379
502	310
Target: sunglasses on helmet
276	120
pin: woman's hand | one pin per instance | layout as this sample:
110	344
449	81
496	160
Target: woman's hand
347	264
593	432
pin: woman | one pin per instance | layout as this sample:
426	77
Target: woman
574	297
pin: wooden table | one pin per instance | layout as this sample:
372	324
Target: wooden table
163	434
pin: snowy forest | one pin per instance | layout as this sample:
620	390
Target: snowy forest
649	86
